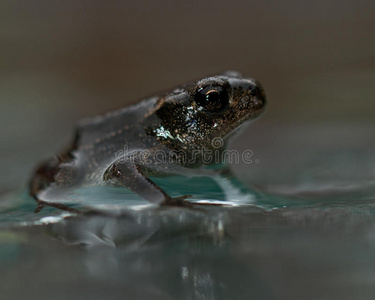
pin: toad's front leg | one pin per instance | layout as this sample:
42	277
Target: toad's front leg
131	173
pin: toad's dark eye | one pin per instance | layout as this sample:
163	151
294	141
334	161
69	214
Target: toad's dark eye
212	98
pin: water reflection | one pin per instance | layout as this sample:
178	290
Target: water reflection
171	252
306	248
219	252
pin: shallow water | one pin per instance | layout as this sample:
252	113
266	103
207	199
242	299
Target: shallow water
286	247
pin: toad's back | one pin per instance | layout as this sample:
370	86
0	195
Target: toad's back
98	142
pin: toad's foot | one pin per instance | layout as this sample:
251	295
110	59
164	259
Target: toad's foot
178	201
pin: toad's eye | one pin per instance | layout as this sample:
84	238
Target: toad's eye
212	98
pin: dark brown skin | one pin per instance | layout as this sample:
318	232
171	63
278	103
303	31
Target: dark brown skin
127	146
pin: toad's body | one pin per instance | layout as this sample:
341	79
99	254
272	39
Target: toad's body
127	146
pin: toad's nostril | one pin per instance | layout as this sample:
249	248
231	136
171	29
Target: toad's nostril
258	96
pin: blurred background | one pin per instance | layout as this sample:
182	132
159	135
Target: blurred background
64	60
